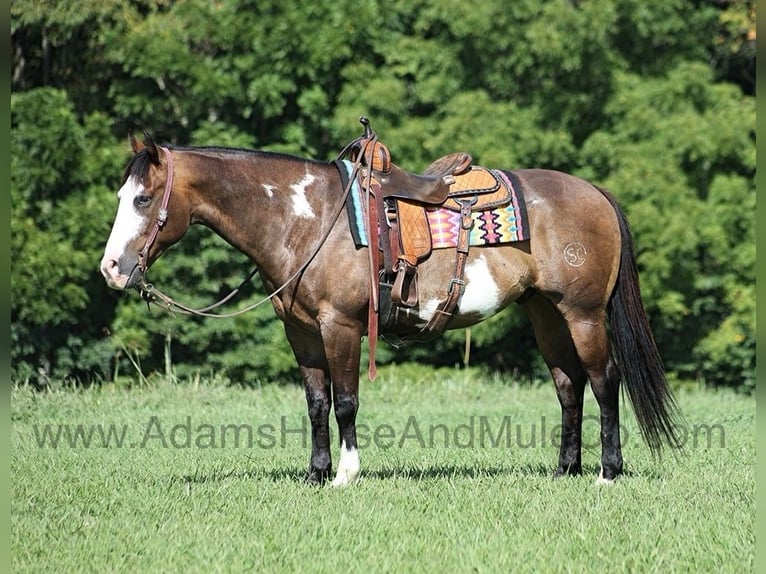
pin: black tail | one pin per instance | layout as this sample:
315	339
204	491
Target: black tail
635	351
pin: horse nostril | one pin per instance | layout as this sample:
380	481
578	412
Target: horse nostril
108	267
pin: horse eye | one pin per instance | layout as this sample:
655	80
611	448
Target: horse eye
142	200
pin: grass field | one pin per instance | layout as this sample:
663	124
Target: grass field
456	478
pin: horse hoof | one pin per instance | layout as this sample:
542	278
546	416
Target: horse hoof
601	481
344	479
316	477
567	471
606	481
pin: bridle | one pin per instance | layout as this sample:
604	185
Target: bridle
162	214
153	295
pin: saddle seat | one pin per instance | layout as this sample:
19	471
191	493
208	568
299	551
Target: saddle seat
447	182
432	187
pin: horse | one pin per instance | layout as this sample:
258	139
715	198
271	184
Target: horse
575	278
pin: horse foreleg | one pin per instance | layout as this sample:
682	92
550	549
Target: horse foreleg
343	349
309	352
558	350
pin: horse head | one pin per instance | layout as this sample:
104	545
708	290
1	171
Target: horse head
148	219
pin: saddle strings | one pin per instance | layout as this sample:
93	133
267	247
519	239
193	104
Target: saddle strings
151	294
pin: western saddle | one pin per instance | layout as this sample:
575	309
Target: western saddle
397	222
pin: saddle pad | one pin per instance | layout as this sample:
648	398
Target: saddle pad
505	224
354	204
491	227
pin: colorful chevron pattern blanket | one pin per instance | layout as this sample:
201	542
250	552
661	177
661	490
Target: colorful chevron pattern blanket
491	227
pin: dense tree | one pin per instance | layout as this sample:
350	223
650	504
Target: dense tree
652	98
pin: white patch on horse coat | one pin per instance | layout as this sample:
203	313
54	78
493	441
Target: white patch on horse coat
349	467
269	189
301	206
428	308
481	294
128	223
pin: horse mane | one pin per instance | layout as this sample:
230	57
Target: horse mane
245	151
138	166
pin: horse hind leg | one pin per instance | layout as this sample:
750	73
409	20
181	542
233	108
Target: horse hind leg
558	351
591	340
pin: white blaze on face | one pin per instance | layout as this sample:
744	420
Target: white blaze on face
301	206
349	466
128	224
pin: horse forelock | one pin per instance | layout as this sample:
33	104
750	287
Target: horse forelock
138	167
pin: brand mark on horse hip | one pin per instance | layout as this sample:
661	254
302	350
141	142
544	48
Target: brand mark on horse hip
574	254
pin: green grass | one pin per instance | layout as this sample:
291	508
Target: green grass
419	507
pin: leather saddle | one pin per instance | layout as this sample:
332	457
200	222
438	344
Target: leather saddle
402	197
432	187
443	183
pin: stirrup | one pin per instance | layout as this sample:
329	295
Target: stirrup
405	289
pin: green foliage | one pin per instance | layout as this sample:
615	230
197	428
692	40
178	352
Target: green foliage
652	98
61	207
248	349
679	154
47	142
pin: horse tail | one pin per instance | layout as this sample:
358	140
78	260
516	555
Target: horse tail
638	359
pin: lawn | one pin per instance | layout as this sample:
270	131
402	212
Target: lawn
456	477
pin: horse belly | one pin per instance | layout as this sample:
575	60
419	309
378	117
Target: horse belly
494	278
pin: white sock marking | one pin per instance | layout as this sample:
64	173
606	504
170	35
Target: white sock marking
349	467
603	481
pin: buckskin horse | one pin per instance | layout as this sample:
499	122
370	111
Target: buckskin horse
573	273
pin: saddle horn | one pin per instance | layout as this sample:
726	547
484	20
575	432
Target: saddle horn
368	132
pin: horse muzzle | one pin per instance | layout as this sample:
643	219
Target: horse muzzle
116	278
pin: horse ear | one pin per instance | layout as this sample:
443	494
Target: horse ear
135	145
151	148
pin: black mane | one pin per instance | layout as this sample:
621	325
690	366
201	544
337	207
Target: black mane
244	151
139	165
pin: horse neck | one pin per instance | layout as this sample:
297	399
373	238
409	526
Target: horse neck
266	205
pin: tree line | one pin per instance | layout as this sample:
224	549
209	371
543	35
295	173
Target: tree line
653	99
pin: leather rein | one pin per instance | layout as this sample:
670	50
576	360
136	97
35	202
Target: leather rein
153	295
